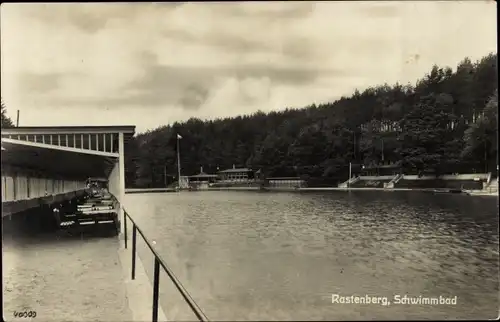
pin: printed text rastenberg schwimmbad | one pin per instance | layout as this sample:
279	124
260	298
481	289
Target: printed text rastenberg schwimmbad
396	299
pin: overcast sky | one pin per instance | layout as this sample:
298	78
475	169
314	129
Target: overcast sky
154	64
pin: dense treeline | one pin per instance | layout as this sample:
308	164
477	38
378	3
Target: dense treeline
446	122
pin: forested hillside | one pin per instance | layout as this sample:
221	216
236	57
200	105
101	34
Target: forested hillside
447	121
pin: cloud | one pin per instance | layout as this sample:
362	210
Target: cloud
380	9
88	17
154	63
188	87
41	83
271	10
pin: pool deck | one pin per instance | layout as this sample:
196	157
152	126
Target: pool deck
483	193
81	278
284	189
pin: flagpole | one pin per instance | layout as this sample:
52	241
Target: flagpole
350	174
178	161
165	175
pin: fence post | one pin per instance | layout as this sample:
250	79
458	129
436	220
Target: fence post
134	246
156	287
125	227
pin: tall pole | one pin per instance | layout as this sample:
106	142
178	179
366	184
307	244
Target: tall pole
485	157
354	155
178	161
17	119
383	150
165	175
354	144
350	174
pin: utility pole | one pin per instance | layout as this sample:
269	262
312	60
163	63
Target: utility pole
17	119
383	150
179	160
350	174
354	144
485	157
354	156
165	175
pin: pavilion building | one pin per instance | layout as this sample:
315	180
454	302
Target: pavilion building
236	174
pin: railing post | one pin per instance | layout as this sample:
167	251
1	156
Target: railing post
156	276
156	287
125	227
134	245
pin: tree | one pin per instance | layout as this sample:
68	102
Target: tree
481	136
6	121
371	142
424	132
447	118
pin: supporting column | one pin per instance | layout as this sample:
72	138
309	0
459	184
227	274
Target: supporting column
4	188
121	187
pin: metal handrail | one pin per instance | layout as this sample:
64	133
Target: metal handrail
159	262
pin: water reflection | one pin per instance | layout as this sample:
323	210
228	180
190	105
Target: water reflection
264	256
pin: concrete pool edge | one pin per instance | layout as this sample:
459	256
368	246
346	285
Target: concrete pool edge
320	189
140	290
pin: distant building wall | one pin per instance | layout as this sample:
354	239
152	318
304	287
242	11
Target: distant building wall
184	182
236	175
286	182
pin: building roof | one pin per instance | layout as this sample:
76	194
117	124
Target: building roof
55	160
203	175
69	129
127	130
60	160
236	170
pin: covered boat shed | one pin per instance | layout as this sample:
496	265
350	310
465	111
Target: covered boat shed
43	164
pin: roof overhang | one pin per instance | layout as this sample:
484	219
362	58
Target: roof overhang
236	170
69	129
204	176
56	160
127	130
